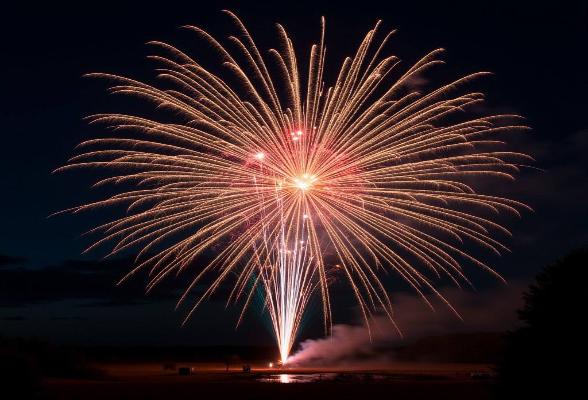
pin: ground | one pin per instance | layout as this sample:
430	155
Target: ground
399	381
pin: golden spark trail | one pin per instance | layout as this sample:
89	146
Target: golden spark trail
296	181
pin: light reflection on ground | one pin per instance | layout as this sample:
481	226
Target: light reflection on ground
297	378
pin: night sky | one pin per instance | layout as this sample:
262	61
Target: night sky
538	53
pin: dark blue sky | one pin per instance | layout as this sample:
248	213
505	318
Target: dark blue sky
538	53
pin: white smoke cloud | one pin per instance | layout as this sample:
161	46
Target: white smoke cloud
489	311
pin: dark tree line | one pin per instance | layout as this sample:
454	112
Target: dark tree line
545	357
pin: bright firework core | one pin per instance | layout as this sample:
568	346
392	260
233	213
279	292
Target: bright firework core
304	182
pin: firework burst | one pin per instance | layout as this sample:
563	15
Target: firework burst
282	171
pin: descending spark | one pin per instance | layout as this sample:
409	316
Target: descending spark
283	173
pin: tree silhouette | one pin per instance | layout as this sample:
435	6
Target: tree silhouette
542	357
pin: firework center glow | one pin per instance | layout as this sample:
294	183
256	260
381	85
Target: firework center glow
304	182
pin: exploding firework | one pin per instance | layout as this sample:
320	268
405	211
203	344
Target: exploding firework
297	180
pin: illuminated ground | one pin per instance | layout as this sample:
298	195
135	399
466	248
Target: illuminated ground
400	381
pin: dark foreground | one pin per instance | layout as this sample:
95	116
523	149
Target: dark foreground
151	381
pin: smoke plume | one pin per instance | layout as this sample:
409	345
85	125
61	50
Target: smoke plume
489	311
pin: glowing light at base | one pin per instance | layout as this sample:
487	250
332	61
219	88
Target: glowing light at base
292	184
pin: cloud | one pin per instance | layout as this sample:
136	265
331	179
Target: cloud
93	281
6	260
67	319
94	284
13	318
558	194
416	82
